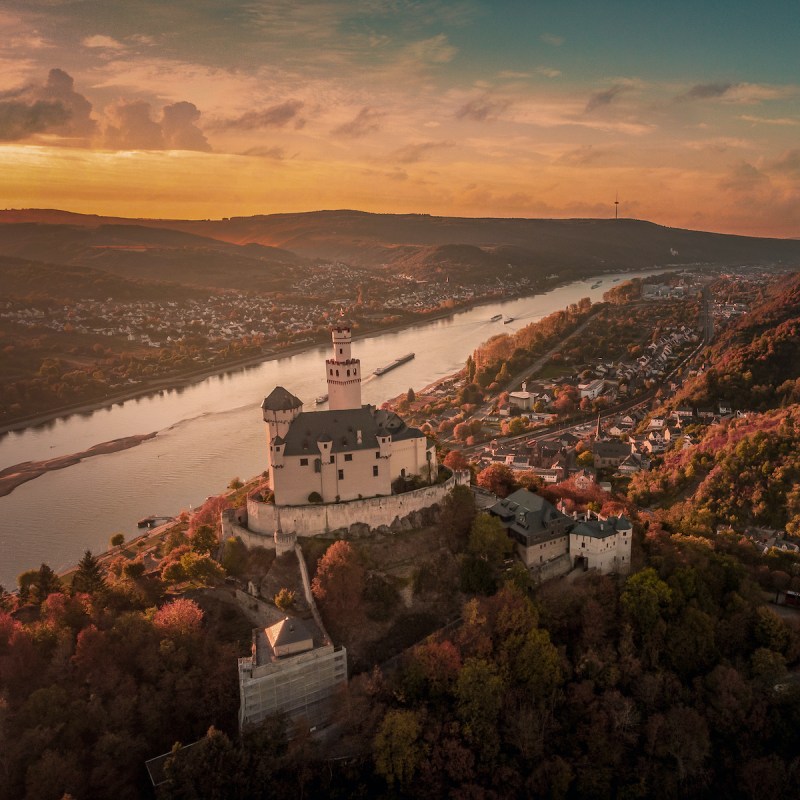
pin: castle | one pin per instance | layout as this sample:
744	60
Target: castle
350	451
349	465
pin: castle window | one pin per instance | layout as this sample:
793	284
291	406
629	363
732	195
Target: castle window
331	372
341	474
337	373
341	351
377	454
348	456
348	373
303	462
375	471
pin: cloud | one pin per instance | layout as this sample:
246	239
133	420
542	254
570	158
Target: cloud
744	178
482	109
583	156
705	91
513	75
179	130
770	121
52	108
366	121
98	41
604	98
552	39
436	50
19	120
276	116
788	163
412	153
548	72
132	127
276	153
742	93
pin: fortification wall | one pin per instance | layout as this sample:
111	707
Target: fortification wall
374	512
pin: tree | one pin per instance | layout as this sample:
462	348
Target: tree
479	698
410	396
235	484
284	599
398	750
456	461
117	539
234	556
498	479
180	617
489	541
88	577
339	582
204	539
36	585
586	459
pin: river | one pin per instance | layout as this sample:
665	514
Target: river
210	432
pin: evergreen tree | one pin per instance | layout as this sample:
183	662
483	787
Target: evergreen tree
45	584
88	577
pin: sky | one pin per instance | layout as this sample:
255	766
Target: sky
687	112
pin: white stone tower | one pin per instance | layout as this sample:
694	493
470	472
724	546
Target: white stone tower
280	409
343	371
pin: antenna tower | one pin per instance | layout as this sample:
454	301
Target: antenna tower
616	206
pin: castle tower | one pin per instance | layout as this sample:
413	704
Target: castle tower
343	371
279	408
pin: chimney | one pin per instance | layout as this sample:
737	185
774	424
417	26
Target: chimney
358	437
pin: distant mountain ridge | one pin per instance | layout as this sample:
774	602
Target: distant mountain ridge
418	244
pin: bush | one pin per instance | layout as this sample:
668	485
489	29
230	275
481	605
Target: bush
315	497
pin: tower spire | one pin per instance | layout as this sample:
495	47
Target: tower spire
616	206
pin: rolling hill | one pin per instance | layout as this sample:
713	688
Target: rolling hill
418	244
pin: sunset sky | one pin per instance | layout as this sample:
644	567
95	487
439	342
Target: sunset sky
690	111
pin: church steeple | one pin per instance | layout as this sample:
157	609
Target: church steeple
343	371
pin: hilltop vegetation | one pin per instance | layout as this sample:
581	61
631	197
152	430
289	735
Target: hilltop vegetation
415	243
755	363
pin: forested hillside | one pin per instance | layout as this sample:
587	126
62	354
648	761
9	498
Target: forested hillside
755	364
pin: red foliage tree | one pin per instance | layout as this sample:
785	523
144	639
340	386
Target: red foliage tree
181	616
497	478
339	582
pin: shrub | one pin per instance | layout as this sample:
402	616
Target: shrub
315	497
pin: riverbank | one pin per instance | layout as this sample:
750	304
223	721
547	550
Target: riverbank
171	383
16	475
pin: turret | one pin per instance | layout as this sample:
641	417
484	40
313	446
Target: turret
279	408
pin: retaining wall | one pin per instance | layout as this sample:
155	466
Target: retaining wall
375	512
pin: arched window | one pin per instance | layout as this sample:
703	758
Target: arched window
337	373
348	373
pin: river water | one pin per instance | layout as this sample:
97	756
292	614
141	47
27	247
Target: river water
210	432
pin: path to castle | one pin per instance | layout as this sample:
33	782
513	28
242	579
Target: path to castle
210	432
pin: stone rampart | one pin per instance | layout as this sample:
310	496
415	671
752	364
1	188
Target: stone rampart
374	512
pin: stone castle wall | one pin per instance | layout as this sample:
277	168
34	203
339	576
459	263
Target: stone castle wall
374	512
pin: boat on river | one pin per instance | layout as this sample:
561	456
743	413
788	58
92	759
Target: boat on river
394	364
507	320
496	317
323	398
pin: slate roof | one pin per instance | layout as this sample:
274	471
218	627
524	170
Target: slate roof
341	428
529	517
280	399
594	528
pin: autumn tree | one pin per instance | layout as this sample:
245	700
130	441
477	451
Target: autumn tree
456	461
339	582
398	747
498	479
179	617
